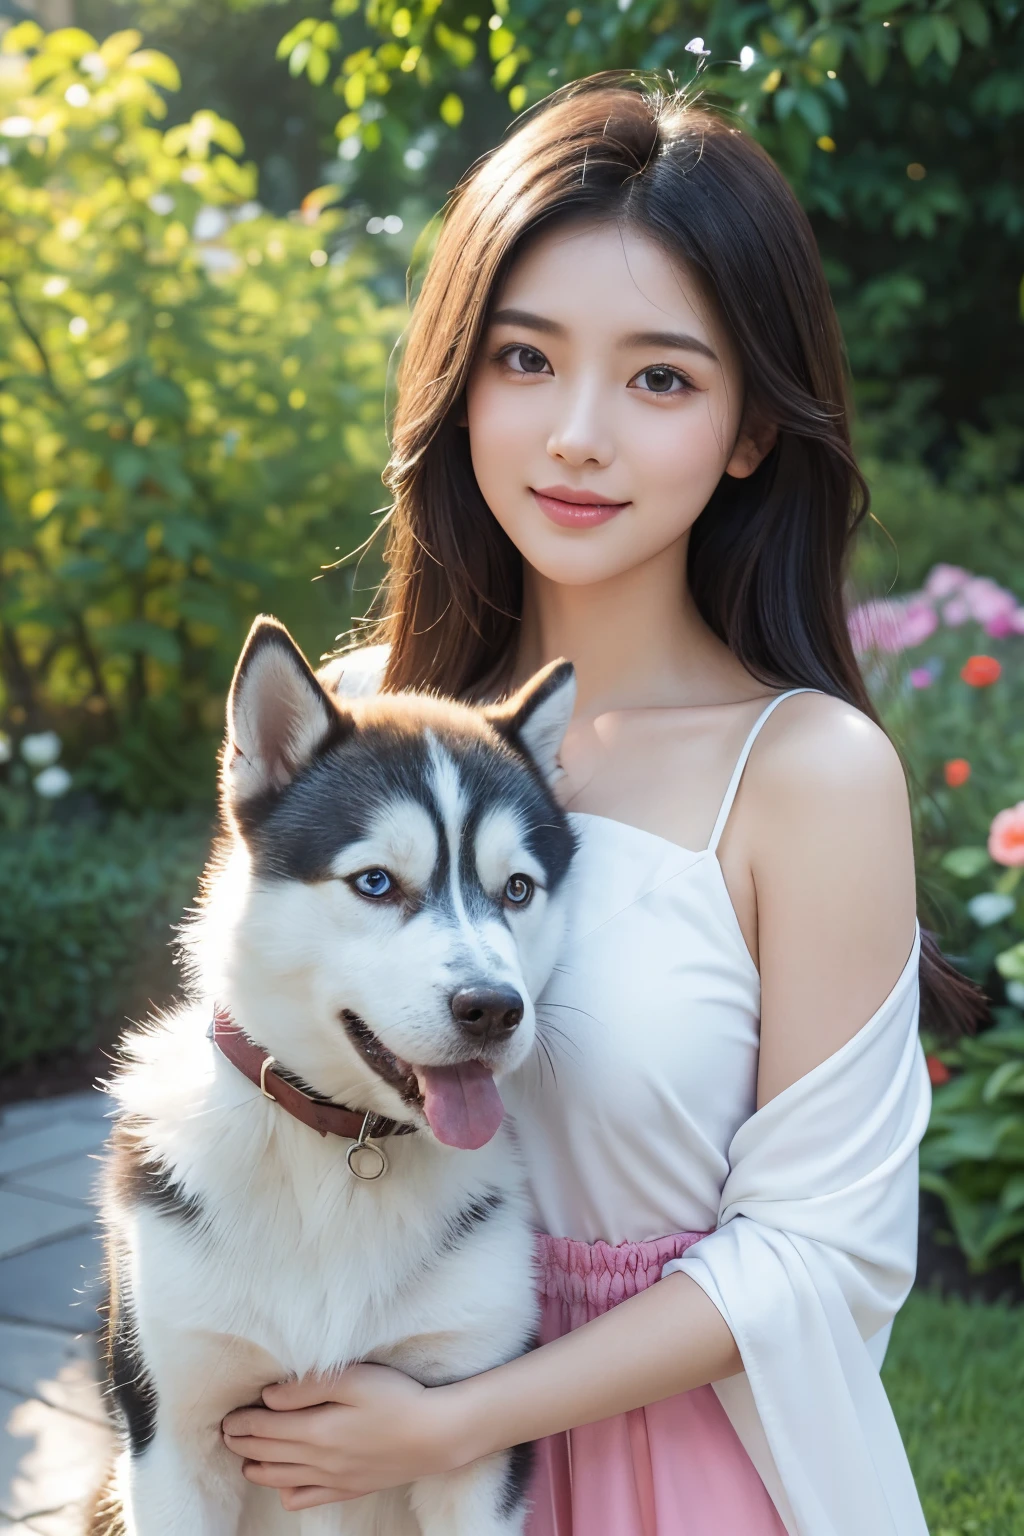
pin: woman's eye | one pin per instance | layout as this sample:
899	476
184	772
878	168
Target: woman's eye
528	359
518	890
374	882
660	381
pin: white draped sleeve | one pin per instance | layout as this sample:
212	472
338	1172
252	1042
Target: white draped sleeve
814	1253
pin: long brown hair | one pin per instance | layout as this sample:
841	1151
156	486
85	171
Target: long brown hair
767	556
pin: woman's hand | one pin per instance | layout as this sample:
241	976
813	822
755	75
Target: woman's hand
319	1441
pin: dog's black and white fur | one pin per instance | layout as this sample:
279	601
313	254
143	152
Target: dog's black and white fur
242	1250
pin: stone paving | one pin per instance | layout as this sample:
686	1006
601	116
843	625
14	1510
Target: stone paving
54	1438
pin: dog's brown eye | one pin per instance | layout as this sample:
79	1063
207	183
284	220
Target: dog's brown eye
518	890
374	882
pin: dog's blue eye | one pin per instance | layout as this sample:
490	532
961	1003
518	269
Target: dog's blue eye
518	890
373	882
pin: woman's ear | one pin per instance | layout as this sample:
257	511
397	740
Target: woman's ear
752	447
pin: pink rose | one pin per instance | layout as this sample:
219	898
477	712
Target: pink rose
955	612
945	579
990	604
1006	836
919	621
876	626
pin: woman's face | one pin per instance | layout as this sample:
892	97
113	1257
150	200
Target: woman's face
604	404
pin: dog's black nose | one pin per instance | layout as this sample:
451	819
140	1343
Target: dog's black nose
487	1013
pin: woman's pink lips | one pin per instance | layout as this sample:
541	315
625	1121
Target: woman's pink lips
577	514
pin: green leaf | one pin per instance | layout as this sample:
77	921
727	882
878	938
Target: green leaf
872	49
814	112
319	65
973	20
918	39
1011	1197
965	863
131	466
156	67
947	39
1010	964
452	110
298	34
1009	1075
140	635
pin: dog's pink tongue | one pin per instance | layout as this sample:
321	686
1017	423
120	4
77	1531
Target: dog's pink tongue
462	1104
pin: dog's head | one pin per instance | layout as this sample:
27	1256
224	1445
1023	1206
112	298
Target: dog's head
390	905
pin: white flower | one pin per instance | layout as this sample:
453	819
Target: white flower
696	45
5	748
77	95
52	782
17	127
210	223
161	203
748	58
54	287
990	907
42	749
93	64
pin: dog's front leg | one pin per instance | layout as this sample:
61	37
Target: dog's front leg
487	1498
165	1492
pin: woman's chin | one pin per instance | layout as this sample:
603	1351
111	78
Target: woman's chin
583	557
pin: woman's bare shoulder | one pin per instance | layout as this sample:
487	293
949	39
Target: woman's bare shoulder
820	747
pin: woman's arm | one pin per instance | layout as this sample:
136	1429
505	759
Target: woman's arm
374	1428
832	860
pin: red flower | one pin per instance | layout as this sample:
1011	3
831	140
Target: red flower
980	671
938	1072
957	771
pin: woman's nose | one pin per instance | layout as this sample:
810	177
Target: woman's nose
581	435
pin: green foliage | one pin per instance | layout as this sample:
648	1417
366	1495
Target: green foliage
973	1154
190	412
972	515
85	926
963	745
954	1373
960	725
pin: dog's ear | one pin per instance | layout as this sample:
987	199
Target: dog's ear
535	719
279	717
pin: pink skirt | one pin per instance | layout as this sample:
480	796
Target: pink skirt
676	1468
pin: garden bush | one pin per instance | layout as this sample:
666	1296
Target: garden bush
85	925
191	414
946	666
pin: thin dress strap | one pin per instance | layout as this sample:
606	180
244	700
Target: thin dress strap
741	763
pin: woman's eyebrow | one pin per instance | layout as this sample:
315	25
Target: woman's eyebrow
680	340
531	321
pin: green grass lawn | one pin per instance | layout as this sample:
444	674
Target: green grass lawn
954	1373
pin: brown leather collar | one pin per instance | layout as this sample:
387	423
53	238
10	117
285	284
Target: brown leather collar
329	1119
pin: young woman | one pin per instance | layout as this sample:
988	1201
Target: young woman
622	438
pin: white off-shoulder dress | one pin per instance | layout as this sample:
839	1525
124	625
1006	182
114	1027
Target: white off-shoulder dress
645	1155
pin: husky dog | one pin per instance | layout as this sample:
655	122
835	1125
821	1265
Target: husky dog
385	906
